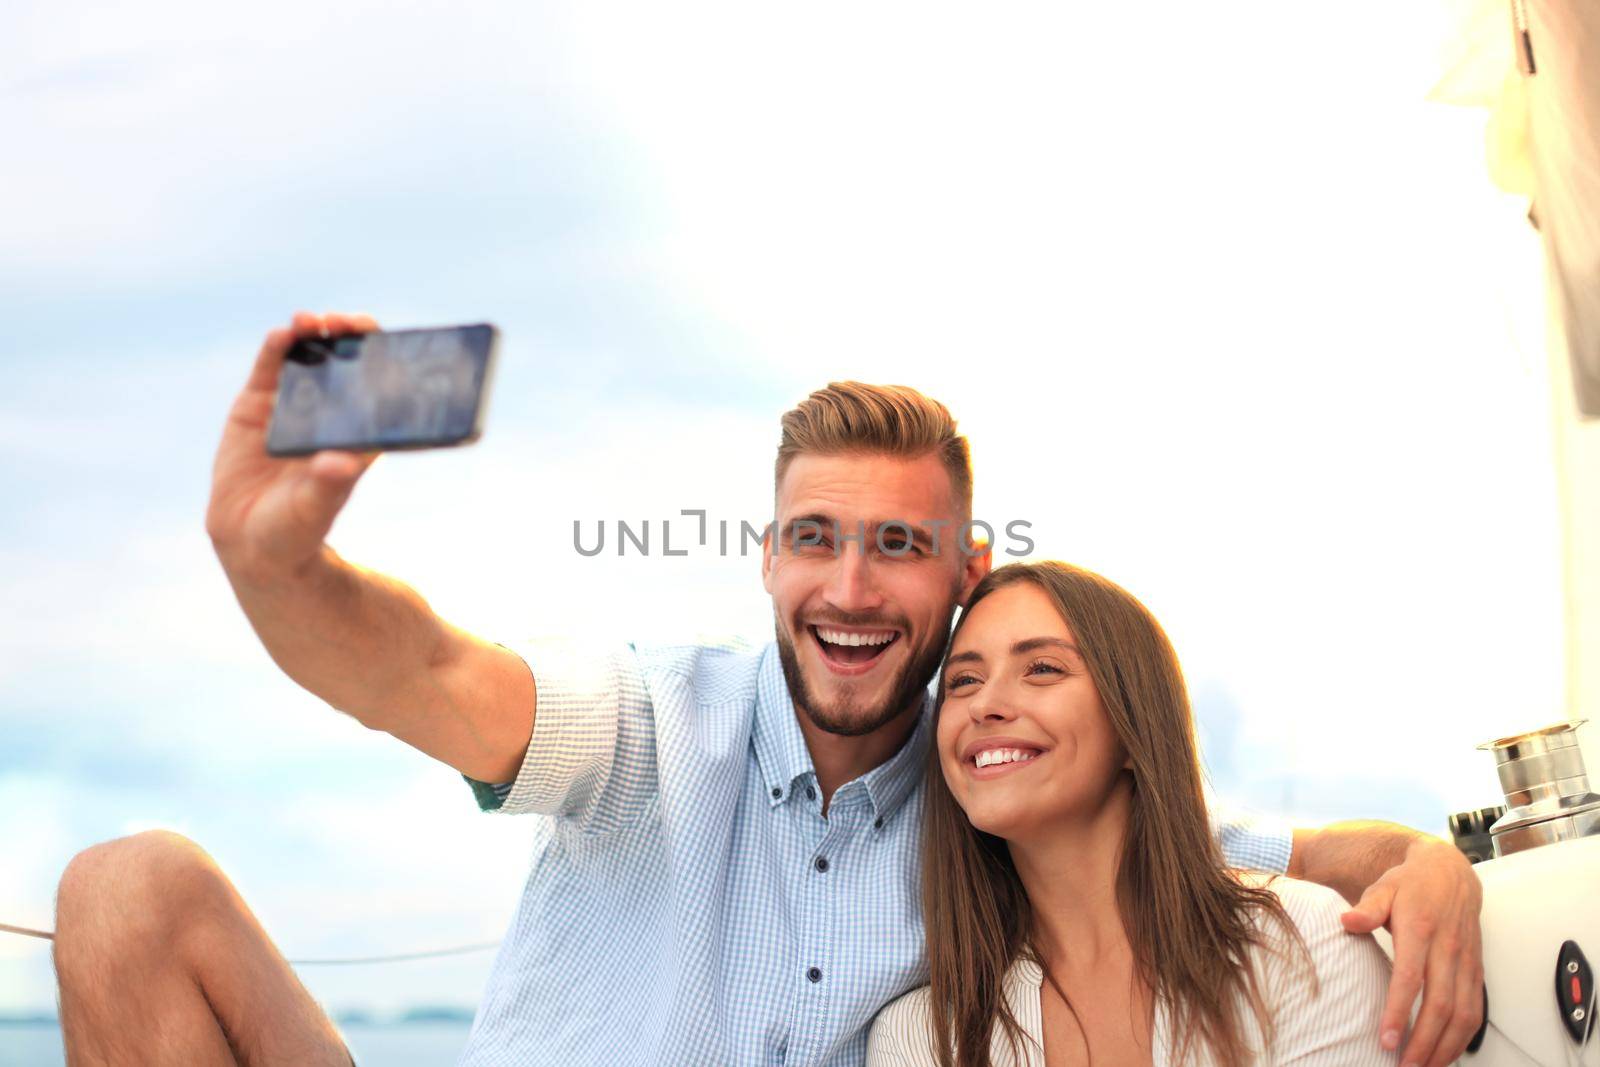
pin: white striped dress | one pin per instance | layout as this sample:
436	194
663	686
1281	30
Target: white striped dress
1336	1028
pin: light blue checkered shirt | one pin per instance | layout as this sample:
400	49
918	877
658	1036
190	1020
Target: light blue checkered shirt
688	903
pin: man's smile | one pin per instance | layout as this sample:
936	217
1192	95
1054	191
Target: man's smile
852	650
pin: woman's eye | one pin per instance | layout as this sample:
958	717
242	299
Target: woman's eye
959	681
1048	668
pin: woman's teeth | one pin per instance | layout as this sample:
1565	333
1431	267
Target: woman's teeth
989	757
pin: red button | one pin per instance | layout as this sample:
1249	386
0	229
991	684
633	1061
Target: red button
1577	991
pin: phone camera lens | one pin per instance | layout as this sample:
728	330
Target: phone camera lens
309	352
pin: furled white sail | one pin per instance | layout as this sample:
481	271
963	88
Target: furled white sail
1536	64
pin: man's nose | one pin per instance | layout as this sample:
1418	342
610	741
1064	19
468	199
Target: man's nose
852	586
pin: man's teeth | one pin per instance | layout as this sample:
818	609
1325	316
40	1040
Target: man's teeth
990	756
839	637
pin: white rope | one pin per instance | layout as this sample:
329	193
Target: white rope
25	932
454	950
343	961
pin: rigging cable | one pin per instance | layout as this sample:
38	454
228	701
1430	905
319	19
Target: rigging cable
341	961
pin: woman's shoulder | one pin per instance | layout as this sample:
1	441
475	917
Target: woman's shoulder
902	1031
1314	914
1337	968
915	1007
902	1034
1314	909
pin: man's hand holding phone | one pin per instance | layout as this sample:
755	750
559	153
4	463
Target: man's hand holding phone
367	644
268	516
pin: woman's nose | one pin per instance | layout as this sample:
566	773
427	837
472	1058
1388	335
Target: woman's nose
992	707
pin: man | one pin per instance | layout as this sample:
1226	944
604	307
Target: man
729	873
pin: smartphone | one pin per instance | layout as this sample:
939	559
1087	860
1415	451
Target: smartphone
384	390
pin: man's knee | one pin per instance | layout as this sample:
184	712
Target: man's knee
135	892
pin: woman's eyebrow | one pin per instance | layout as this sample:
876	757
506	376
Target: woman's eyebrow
1021	648
1033	644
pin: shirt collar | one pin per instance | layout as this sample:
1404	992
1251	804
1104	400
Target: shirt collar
780	746
890	783
783	757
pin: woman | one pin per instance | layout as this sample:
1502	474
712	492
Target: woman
1076	904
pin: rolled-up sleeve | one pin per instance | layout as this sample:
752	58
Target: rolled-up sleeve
1253	842
591	759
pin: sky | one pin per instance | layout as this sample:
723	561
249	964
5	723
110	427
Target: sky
1227	307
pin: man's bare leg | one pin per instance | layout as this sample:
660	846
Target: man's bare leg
160	962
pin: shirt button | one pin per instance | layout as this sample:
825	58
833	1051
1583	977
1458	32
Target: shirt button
877	824
822	864
811	794
776	792
814	974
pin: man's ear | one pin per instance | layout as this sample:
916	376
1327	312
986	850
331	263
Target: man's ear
973	570
766	558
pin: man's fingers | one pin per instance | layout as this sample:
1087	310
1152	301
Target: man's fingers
1372	910
339	323
1404	984
321	493
1438	1004
338	468
269	360
1469	1004
1467	1014
1362	920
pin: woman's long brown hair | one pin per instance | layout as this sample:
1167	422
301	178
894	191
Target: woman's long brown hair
1189	921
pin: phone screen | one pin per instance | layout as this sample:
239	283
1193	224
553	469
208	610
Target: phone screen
403	389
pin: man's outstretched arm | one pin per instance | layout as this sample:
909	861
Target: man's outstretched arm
1424	890
367	644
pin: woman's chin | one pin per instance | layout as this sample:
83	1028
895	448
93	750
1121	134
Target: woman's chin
999	820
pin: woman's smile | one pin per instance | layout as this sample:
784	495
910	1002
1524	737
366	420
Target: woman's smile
992	757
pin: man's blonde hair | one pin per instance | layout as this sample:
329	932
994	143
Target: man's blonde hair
895	420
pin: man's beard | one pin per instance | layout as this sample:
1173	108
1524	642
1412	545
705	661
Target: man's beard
848	720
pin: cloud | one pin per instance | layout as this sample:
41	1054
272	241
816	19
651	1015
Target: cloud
1261	356
226	125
